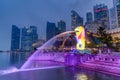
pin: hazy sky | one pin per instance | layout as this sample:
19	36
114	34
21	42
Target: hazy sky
38	12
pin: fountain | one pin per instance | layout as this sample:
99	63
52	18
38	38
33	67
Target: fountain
47	46
44	52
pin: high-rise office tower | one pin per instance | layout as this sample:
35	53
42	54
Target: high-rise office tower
34	33
15	38
28	37
89	17
112	18
76	20
118	14
50	30
101	15
61	27
116	5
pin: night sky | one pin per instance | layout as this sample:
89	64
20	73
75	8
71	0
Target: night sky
38	12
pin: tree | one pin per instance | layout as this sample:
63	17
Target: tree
104	37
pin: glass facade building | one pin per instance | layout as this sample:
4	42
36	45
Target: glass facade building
112	18
61	27
50	30
89	17
118	14
101	15
15	38
28	37
76	20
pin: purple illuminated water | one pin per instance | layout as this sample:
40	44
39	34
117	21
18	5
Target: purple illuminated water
41	64
59	73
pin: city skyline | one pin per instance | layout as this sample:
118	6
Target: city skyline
26	13
23	38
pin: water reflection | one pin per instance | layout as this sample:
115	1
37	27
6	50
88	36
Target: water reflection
84	74
12	59
37	64
61	73
67	73
17	59
4	60
56	73
40	64
81	77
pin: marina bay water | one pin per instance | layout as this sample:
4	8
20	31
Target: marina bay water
8	60
51	73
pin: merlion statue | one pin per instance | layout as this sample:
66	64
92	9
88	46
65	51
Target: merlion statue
80	37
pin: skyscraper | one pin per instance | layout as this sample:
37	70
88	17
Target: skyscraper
15	38
34	33
112	18
50	30
89	17
118	14
28	37
76	20
101	15
61	26
116	4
